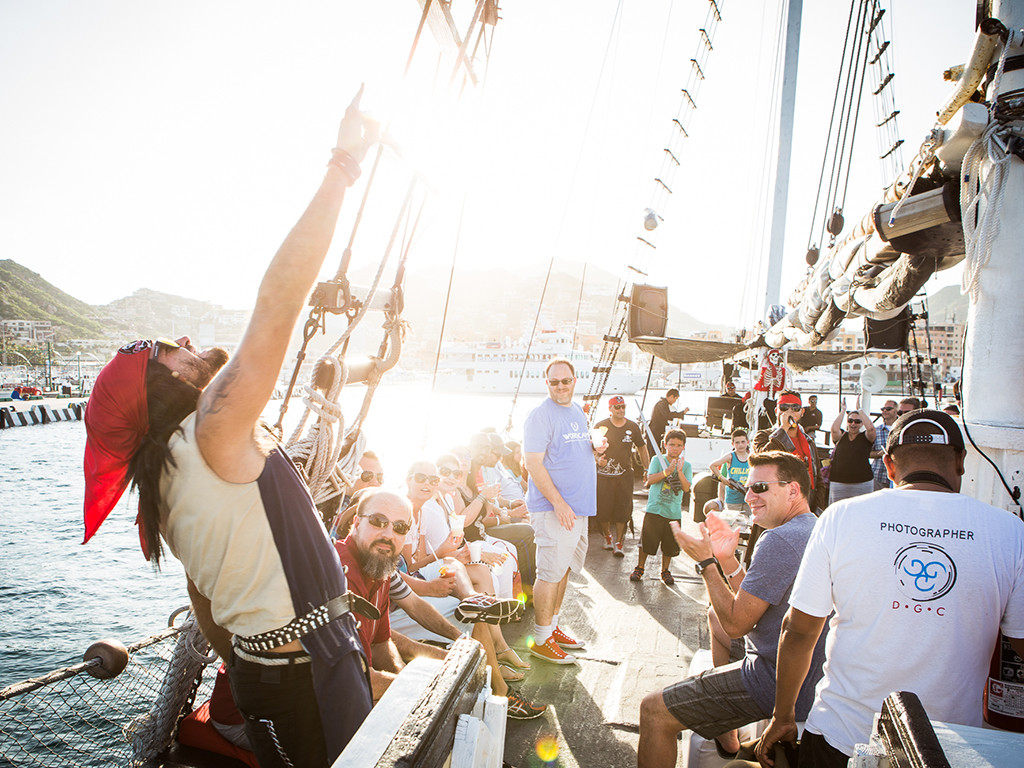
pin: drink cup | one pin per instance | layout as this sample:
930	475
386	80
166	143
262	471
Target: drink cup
475	550
458	524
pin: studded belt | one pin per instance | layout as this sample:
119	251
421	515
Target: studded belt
303	625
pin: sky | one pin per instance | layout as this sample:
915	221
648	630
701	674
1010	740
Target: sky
172	146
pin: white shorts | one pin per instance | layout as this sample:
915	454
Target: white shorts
558	550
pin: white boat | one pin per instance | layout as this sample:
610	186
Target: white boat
498	366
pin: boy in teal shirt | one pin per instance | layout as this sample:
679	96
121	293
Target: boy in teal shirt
664	504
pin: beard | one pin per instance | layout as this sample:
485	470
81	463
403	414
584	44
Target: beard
206	367
376	565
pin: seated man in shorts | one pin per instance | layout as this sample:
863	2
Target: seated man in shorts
721	699
664	504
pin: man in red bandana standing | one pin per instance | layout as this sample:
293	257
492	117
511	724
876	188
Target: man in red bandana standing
265	582
788	436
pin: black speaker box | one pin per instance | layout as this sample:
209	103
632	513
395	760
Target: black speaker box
648	311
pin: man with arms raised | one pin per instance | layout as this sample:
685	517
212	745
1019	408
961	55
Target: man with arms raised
230	505
749	604
562	494
921	579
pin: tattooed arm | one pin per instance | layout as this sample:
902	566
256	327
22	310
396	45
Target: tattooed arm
231	404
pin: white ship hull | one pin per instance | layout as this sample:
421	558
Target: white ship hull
493	367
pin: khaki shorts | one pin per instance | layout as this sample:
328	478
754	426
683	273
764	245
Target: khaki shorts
558	550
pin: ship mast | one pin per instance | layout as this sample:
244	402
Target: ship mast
784	154
994	348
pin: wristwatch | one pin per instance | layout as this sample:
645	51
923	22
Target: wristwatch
703	565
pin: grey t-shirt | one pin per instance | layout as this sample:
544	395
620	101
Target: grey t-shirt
773	569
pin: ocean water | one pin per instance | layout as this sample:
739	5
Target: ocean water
57	596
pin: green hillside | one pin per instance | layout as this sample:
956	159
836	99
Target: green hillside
24	295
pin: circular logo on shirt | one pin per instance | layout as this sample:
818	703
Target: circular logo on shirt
924	571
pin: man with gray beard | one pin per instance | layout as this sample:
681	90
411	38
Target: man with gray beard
370	555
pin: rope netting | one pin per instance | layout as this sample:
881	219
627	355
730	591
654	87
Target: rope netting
70	718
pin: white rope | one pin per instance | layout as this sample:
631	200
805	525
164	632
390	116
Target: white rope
981	227
320	449
150	733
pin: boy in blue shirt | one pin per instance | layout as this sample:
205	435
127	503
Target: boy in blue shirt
664	504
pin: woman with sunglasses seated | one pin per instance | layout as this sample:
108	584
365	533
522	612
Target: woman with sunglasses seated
448	504
850	473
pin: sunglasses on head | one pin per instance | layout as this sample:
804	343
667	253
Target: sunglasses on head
377	520
563	382
449	472
762	486
366	476
790	407
419	477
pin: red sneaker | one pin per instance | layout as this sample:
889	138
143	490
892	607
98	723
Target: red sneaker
565	641
550	651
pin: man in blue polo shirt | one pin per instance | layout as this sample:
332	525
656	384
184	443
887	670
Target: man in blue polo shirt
561	495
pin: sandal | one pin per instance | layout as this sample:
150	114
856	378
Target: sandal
637	574
511	658
667	577
510	674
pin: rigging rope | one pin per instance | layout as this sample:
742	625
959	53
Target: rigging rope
981	229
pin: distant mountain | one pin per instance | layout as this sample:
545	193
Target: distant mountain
947	305
498	303
485	304
24	295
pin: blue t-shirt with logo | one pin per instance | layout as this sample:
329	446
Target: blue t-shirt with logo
560	432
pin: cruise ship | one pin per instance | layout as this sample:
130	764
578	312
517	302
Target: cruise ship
498	366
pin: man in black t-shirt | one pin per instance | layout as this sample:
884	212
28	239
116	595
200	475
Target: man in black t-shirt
615	473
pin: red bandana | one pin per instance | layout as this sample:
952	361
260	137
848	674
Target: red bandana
790	400
116	420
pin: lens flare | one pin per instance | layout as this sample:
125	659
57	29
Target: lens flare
521	597
530	641
547	749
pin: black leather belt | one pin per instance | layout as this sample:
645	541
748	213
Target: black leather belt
303	625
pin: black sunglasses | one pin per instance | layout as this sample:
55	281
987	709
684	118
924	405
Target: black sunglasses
888	408
853	421
790	407
419	477
618	407
366	476
563	382
762	486
377	520
448	472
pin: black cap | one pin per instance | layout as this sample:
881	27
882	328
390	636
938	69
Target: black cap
925	427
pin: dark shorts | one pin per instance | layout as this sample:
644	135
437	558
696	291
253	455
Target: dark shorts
713	702
656	533
615	498
815	752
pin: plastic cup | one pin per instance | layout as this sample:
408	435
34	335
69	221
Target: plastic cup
475	550
458	523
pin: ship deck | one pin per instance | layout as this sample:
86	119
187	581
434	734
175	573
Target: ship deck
639	637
